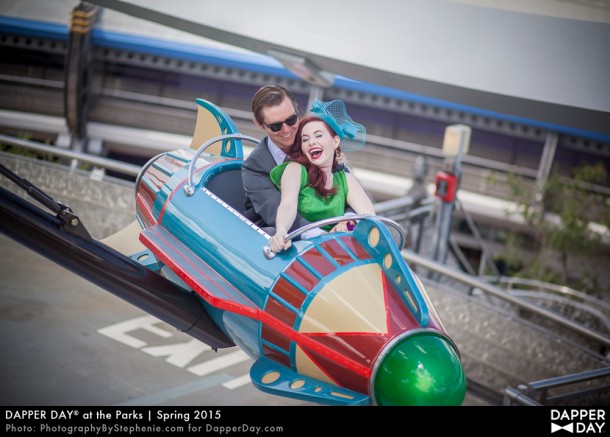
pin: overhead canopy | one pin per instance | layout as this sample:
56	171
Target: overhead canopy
544	68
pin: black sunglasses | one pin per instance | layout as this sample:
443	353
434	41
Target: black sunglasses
290	121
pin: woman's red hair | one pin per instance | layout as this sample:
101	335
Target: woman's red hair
317	178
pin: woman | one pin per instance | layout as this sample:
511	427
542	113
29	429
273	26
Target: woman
315	183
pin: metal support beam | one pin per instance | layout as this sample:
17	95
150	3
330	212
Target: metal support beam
315	92
546	164
78	73
455	144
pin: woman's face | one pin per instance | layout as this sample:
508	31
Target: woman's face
318	144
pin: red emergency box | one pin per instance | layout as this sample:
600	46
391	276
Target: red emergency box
446	186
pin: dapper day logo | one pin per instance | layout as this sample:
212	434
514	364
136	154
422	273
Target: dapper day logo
578	421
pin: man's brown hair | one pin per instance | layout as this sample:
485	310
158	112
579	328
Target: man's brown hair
270	95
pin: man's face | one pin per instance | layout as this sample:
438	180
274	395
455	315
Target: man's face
280	115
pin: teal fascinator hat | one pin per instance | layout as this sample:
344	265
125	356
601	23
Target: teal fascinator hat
352	134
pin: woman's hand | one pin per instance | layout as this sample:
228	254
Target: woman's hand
278	242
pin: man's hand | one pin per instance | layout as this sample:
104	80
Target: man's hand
345	226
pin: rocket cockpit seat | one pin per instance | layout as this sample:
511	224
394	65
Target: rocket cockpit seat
228	186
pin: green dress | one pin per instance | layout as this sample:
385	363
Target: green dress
311	206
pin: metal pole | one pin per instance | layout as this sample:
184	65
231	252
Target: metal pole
315	92
453	167
78	73
443	230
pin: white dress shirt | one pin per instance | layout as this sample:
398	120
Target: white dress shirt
278	154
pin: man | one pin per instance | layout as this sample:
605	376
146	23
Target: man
275	111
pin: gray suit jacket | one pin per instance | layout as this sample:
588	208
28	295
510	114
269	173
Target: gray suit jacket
262	196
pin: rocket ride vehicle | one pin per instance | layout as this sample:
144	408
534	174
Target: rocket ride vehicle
338	319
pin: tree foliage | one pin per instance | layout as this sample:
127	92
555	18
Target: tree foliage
569	221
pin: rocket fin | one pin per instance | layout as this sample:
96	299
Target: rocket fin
212	122
271	377
126	239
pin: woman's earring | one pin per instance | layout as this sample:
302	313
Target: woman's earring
340	156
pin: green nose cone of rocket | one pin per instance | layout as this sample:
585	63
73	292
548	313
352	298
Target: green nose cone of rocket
421	370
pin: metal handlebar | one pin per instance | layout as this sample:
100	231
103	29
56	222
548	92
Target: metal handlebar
269	254
189	190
